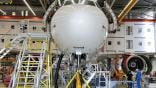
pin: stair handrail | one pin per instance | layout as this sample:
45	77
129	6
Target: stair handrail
17	66
39	70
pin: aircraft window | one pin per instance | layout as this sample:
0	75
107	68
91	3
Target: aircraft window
129	30
33	41
34	28
103	27
109	42
139	30
2	40
54	26
140	43
118	42
149	43
12	26
25	27
148	30
129	44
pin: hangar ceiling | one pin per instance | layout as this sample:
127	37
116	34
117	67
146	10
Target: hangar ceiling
39	6
140	4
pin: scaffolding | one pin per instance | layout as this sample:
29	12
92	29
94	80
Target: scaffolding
33	66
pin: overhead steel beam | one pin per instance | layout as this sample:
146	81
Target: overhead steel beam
118	7
44	8
19	8
126	10
3	12
45	3
112	3
32	11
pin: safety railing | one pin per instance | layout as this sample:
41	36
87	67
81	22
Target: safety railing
123	84
19	61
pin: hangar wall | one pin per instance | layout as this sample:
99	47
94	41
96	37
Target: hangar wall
132	37
9	29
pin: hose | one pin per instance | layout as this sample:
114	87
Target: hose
57	71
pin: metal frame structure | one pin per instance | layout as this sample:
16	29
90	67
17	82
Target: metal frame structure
126	10
33	67
94	75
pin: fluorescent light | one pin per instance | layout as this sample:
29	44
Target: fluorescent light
13	13
26	13
22	13
26	3
4	13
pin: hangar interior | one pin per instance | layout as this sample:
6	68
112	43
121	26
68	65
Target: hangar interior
77	43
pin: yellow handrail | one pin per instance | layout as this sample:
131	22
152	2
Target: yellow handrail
86	82
71	80
78	80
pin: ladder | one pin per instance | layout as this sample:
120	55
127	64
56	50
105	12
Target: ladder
32	69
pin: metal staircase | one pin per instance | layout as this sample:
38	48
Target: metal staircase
32	69
90	72
100	79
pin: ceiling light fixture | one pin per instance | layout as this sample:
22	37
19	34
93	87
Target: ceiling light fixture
13	13
26	3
